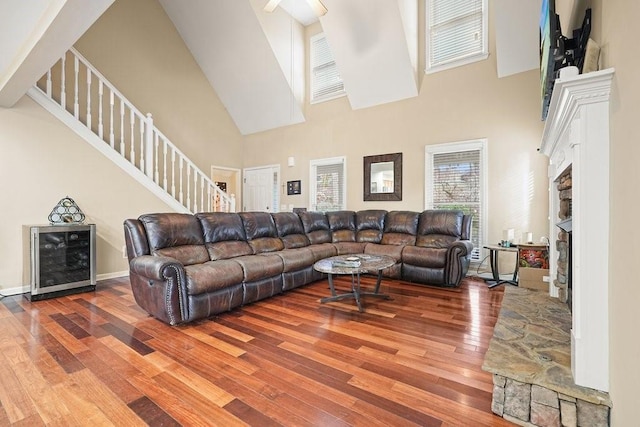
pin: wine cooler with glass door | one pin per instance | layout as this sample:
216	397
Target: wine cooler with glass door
59	260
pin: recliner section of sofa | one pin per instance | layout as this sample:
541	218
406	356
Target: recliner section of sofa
187	267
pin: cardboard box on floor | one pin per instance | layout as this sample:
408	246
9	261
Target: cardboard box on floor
532	278
534	265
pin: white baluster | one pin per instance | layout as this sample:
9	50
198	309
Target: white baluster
88	98
49	82
148	144
164	165
202	193
76	70
173	173
111	135
156	154
63	82
122	148
209	198
232	203
188	186
132	153
100	93
181	176
143	149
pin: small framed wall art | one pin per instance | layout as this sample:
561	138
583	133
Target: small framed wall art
293	187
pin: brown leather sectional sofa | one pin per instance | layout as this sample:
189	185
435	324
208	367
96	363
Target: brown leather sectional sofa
186	267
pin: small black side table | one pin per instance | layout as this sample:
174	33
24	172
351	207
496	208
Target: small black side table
495	270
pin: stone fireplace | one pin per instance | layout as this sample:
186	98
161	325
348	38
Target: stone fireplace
563	278
550	351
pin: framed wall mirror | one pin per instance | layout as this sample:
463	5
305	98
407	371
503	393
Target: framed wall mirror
383	177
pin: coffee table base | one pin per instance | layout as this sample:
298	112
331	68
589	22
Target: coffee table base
357	294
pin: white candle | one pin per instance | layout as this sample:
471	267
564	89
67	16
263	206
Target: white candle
529	237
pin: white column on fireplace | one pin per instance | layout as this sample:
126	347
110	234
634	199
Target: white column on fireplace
576	134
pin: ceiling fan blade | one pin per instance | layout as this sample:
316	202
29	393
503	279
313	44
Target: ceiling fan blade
271	6
318	8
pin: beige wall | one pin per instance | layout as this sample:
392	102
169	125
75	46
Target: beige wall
464	103
620	50
44	161
135	45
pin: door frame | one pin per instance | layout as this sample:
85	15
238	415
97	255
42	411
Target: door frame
237	173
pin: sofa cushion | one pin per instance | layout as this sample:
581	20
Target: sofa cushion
227	250
400	228
435	241
212	276
393	251
344	248
290	230
424	257
439	228
440	222
258	224
175	235
266	244
316	227
258	267
342	225
370	225
261	232
296	259
221	226
322	250
224	235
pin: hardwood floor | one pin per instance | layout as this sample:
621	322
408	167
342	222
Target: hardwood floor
98	359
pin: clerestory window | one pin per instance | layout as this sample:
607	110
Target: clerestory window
326	82
456	33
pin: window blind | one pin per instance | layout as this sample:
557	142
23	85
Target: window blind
457	184
456	30
326	82
330	187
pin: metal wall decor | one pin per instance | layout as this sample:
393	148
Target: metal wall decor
293	187
66	212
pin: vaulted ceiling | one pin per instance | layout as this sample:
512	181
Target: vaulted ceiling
254	60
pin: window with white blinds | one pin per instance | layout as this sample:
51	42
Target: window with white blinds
456	33
329	184
456	179
326	82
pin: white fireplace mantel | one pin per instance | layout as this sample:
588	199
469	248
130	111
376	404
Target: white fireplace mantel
576	134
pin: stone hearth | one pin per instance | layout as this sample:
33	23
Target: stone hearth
530	357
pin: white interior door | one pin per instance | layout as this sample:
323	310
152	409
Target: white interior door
260	192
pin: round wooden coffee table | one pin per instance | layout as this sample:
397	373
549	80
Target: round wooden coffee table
354	264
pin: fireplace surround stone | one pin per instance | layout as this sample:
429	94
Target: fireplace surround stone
530	359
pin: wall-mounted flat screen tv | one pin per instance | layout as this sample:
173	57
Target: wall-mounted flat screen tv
557	51
549	33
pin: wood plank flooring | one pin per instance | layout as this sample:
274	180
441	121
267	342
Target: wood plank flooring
97	359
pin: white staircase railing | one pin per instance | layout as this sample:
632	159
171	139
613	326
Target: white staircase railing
89	99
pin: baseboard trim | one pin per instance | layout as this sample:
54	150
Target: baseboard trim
17	290
113	275
7	292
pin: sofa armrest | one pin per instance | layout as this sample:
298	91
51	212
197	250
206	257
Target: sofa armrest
154	267
159	286
458	258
